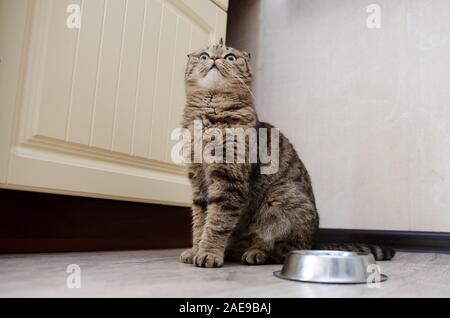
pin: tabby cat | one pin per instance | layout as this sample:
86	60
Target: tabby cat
238	213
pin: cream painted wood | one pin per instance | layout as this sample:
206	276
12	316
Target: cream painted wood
222	3
97	105
13	14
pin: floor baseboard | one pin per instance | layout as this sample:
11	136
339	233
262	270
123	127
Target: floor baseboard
399	240
41	223
45	223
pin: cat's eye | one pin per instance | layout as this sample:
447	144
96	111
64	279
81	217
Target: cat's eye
204	57
230	57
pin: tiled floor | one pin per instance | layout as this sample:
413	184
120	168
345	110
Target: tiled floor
159	274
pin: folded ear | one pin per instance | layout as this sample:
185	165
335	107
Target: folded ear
247	55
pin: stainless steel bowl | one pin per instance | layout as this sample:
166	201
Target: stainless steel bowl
332	267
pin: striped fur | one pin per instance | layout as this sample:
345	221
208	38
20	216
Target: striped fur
239	213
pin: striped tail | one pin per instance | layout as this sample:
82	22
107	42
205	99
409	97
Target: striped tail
380	253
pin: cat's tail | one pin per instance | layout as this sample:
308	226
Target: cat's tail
380	253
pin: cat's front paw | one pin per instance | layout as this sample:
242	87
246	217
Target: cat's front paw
208	259
187	256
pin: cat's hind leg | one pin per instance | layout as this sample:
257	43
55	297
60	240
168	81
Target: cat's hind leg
286	220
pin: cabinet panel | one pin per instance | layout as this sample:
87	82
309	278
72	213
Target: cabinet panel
99	102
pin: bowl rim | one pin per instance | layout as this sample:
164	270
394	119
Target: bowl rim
330	253
278	274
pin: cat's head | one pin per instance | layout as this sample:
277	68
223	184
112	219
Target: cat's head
218	68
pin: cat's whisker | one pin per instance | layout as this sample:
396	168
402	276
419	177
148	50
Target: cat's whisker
243	83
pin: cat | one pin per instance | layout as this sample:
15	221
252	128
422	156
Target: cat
239	213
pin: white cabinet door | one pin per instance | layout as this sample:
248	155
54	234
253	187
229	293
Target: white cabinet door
95	106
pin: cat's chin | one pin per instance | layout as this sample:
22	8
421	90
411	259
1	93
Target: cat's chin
213	80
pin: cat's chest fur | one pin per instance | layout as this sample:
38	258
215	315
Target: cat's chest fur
219	111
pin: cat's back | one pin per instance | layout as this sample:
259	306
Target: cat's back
288	156
290	167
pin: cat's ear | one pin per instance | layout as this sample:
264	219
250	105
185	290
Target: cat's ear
247	55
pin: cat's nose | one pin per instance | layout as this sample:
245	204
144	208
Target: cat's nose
215	58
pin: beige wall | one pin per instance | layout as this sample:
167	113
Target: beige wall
368	110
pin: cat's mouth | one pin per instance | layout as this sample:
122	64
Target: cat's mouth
214	67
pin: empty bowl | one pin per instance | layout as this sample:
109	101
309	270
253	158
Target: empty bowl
332	267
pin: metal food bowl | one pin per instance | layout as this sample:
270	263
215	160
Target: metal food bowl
331	267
